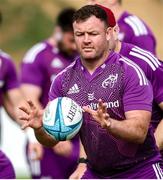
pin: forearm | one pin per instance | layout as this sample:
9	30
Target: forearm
129	130
158	132
9	109
44	138
82	153
159	136
11	101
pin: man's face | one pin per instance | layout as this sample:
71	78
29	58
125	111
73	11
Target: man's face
67	44
91	38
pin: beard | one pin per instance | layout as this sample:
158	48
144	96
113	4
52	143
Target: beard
90	58
65	51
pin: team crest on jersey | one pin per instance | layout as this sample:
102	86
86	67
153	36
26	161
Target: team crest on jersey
110	81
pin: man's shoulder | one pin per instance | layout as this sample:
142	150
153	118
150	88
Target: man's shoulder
131	69
140	56
35	51
4	55
5	58
136	25
69	68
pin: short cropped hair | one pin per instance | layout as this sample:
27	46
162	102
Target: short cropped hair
90	10
65	19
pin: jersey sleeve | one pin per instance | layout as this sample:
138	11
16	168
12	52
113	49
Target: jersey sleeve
152	67
138	94
33	72
157	84
145	42
139	33
11	78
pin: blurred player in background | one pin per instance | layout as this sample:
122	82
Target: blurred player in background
132	29
40	65
10	99
116	135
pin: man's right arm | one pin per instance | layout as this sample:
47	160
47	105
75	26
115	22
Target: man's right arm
32	116
44	138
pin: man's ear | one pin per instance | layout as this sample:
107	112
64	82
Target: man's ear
58	34
115	32
108	33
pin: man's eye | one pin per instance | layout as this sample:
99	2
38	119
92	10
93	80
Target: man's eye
94	34
78	34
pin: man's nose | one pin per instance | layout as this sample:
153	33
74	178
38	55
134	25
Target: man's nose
87	38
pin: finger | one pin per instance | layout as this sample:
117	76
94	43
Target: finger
88	110
23	118
100	113
24	109
24	126
100	103
102	106
107	116
31	104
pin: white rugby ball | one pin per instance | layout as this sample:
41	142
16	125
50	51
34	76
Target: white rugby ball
62	118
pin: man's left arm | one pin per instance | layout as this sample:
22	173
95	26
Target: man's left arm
137	104
133	128
157	84
158	132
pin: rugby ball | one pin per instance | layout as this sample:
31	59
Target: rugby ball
62	118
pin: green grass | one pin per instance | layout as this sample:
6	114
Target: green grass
23	26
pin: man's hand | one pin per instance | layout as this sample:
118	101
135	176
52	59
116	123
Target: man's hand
100	115
32	116
64	148
79	172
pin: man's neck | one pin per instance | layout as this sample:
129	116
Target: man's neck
92	65
51	41
118	46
